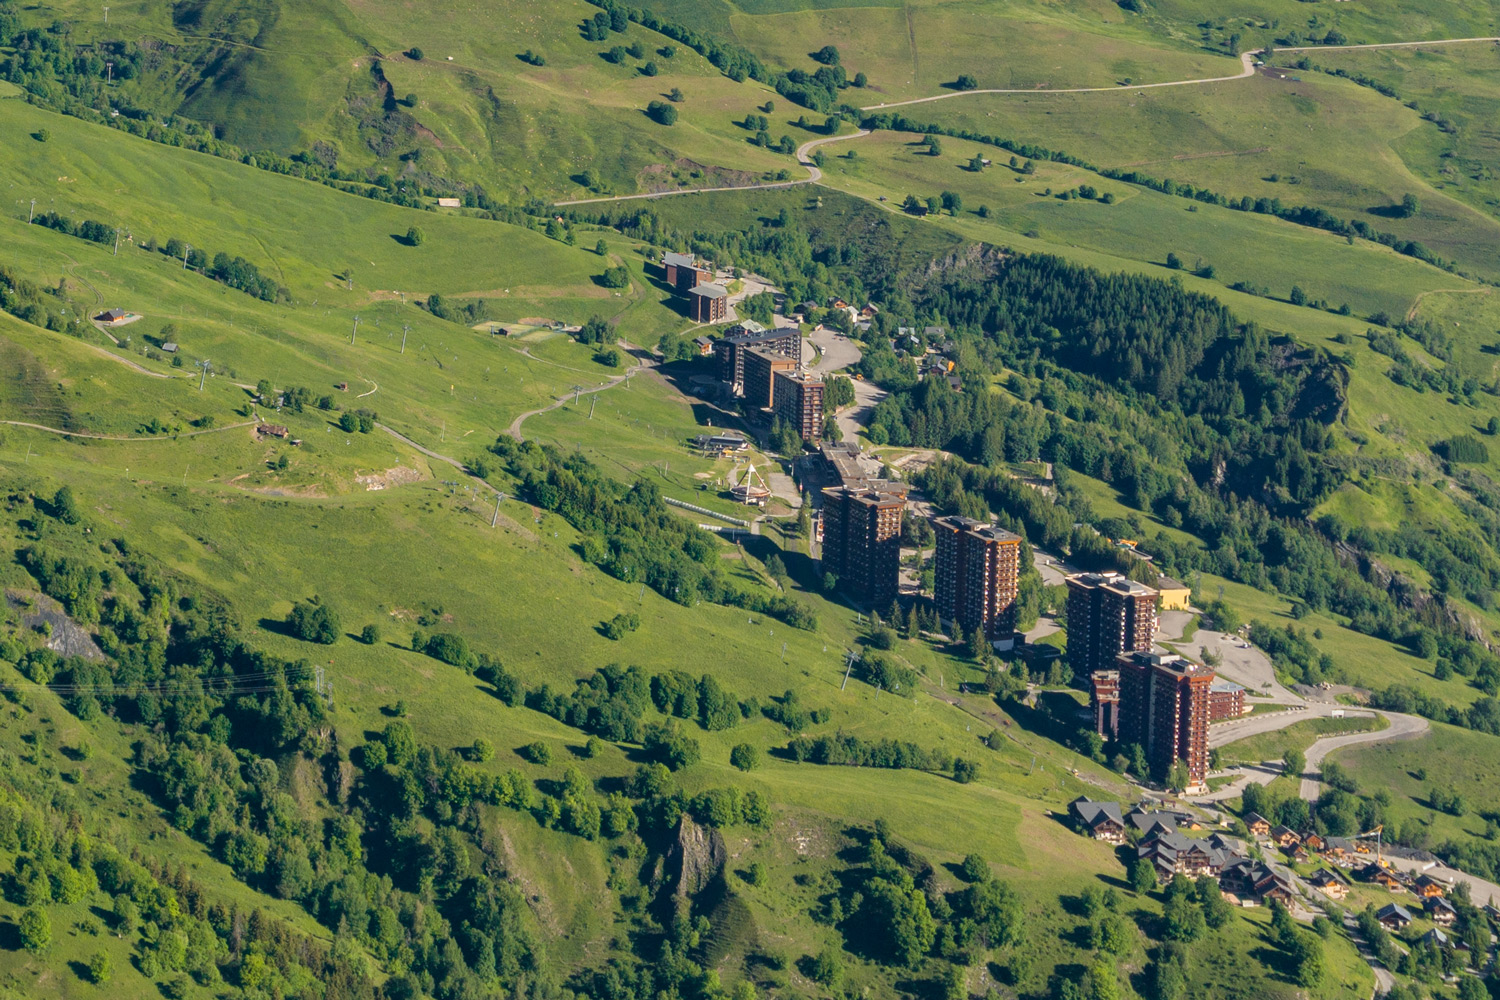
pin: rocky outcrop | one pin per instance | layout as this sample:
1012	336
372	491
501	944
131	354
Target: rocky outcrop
65	637
697	858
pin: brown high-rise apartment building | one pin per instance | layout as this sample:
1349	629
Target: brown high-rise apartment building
1104	702
760	374
1108	614
740	338
683	272
1164	706
797	398
708	303
862	542
978	568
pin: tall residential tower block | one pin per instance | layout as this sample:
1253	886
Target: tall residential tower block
1164	706
978	571
1108	614
862	542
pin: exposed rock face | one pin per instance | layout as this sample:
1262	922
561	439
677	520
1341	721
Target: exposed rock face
67	637
697	858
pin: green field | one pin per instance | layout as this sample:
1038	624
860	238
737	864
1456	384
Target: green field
201	530
1263	137
1298	736
1140	225
299	74
908	50
1448	759
1458	84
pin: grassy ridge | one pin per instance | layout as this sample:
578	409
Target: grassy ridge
297	74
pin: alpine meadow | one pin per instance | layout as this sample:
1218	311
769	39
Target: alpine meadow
749	500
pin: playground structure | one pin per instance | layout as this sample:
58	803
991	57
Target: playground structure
749	489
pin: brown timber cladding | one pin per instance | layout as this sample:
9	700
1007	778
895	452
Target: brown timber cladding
862	542
978	567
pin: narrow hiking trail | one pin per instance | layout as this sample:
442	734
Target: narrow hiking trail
514	430
126	437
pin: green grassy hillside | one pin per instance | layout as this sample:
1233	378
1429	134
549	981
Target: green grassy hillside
1264	137
284	77
442	822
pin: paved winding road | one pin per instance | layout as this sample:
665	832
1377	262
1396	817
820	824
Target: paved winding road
1402	727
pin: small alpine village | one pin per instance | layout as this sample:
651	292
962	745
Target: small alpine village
1164	716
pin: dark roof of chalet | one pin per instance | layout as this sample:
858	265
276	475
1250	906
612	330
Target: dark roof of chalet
1253	818
709	291
1424	880
1225	843
1093	813
113	314
1280	831
1393	910
1168	846
670	259
702	341
1324	876
1248	869
1439	903
1338	843
1436	936
808	306
1145	821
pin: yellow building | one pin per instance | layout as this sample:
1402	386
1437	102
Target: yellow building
1174	594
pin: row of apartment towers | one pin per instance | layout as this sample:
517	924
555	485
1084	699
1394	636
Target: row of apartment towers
1160	701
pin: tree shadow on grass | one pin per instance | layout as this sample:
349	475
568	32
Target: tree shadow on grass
403	239
10	936
276	626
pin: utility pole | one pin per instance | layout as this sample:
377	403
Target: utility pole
405	329
106	13
109	73
577	389
356	328
117	241
187	248
496	519
203	376
32	214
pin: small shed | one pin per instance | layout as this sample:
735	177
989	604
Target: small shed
169	347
